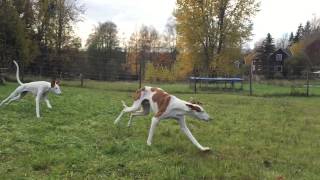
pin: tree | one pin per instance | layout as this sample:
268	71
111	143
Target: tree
307	29
132	64
170	36
103	51
313	53
144	47
15	43
283	42
208	28
299	34
263	52
291	37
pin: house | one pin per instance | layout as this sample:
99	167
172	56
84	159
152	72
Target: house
276	61
275	64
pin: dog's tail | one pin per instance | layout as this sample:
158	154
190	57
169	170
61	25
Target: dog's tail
17	74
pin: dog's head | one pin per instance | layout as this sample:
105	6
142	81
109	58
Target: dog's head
198	112
138	94
55	88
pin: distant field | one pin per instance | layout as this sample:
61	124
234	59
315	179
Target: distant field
266	88
264	137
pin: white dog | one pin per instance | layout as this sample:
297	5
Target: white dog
39	89
164	106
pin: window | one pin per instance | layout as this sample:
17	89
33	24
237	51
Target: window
278	68
278	57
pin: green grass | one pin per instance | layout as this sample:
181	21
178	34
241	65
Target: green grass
250	137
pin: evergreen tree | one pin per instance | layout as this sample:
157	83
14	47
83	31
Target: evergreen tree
299	34
291	39
307	29
263	52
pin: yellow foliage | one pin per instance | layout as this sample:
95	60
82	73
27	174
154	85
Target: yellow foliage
226	62
249	58
159	74
297	48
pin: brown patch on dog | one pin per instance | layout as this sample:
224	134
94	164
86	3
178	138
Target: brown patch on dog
195	102
137	94
194	108
162	99
53	83
153	89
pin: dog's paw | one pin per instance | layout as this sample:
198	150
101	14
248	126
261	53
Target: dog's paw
149	143
205	149
124	104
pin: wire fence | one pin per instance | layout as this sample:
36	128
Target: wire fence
128	76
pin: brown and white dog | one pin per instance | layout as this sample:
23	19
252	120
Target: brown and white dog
164	106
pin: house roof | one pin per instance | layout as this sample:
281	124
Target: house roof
287	51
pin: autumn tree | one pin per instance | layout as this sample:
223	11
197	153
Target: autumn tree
207	29
143	47
132	60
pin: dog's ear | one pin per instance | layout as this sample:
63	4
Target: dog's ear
194	108
137	94
53	83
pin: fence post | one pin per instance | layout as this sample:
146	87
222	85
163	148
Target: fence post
81	79
195	85
1	78
250	80
195	80
307	83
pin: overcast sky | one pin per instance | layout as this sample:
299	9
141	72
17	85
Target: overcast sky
275	16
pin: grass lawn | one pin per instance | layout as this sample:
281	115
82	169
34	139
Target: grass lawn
250	137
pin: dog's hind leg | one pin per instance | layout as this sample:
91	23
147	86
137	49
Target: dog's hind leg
14	99
154	124
12	95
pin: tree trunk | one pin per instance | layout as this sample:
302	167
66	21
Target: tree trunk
222	12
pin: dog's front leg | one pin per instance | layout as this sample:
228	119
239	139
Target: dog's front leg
154	124
136	105
138	113
47	102
38	105
186	130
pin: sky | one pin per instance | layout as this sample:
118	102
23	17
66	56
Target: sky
276	17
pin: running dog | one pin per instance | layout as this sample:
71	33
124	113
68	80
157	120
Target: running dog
39	89
164	106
